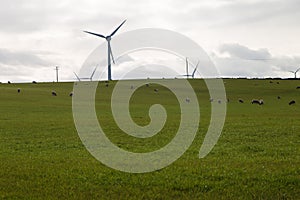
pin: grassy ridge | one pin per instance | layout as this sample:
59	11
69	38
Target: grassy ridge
257	155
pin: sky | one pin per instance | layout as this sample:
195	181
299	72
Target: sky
246	38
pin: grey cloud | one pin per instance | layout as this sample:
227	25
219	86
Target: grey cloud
239	51
246	62
17	58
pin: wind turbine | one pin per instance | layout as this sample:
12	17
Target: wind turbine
187	69
109	52
295	72
86	78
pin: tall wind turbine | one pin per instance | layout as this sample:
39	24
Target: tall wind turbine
109	51
86	78
295	72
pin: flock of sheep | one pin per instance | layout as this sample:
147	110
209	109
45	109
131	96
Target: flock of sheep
253	101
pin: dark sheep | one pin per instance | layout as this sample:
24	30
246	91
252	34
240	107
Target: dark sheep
147	84
241	100
106	84
298	87
34	82
292	102
54	93
19	90
255	101
278	97
8	82
155	90
71	94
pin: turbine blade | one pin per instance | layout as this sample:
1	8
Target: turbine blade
297	70
93	72
96	34
112	56
112	34
77	76
193	74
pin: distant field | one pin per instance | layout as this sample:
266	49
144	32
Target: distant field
256	157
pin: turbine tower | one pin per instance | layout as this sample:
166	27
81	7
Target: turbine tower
109	51
295	72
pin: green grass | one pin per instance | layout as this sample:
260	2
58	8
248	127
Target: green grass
256	157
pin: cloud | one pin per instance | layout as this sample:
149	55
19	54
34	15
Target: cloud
236	60
21	58
243	52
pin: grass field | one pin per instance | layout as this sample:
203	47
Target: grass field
256	157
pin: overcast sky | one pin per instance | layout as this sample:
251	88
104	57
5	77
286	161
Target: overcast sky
35	35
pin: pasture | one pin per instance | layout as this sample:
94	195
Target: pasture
256	157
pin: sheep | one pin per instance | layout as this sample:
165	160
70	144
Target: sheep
292	102
54	93
155	90
256	101
241	100
106	84
271	81
71	94
219	101
298	87
131	87
34	82
278	83
187	100
19	90
8	82
211	100
278	97
147	84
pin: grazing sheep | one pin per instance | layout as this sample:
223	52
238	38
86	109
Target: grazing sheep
54	93
147	84
256	101
155	90
19	90
106	84
211	99
271	81
278	97
219	101
34	82
241	100
292	102
298	87
277	82
187	100
8	82
71	94
227	100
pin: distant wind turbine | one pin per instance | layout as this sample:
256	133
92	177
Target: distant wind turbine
187	69
109	51
295	72
86	78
